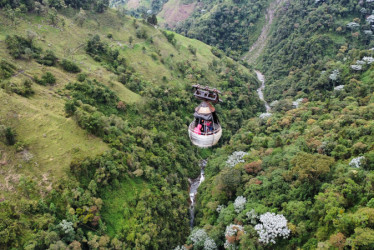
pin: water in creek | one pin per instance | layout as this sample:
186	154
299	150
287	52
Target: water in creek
260	90
194	185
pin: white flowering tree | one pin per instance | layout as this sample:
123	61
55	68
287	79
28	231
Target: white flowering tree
334	75
368	32
356	162
368	59
67	230
370	19
200	240
232	234
360	62
239	203
235	158
264	115
339	88
356	67
353	25
296	103
209	244
272	226
252	216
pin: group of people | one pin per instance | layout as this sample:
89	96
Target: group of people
203	127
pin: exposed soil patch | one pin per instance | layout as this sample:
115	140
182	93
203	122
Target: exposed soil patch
174	12
133	4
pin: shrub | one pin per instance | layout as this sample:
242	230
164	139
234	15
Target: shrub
17	46
24	90
141	34
81	77
154	56
70	107
10	136
6	69
70	66
192	49
47	79
170	37
49	59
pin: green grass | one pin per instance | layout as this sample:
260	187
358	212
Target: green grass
40	120
118	209
338	39
52	139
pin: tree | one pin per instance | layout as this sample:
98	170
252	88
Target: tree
272	226
12	14
52	16
10	136
310	167
152	19
81	17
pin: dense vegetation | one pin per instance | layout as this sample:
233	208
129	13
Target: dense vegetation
134	193
301	177
313	38
230	26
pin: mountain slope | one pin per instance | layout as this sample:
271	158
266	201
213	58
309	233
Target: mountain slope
301	176
101	157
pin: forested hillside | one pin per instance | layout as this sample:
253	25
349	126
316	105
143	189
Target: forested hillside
302	175
94	110
231	26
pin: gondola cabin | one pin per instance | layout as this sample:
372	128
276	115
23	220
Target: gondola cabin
205	130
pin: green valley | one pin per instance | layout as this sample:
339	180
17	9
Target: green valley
95	111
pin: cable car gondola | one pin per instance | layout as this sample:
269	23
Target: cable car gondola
205	130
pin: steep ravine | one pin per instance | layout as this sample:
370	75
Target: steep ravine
260	90
194	185
257	48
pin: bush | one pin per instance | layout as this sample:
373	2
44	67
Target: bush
10	136
141	34
47	79
6	69
81	77
24	90
17	46
192	49
49	59
70	107
170	37
70	66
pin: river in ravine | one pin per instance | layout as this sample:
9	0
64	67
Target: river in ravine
260	90
194	185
